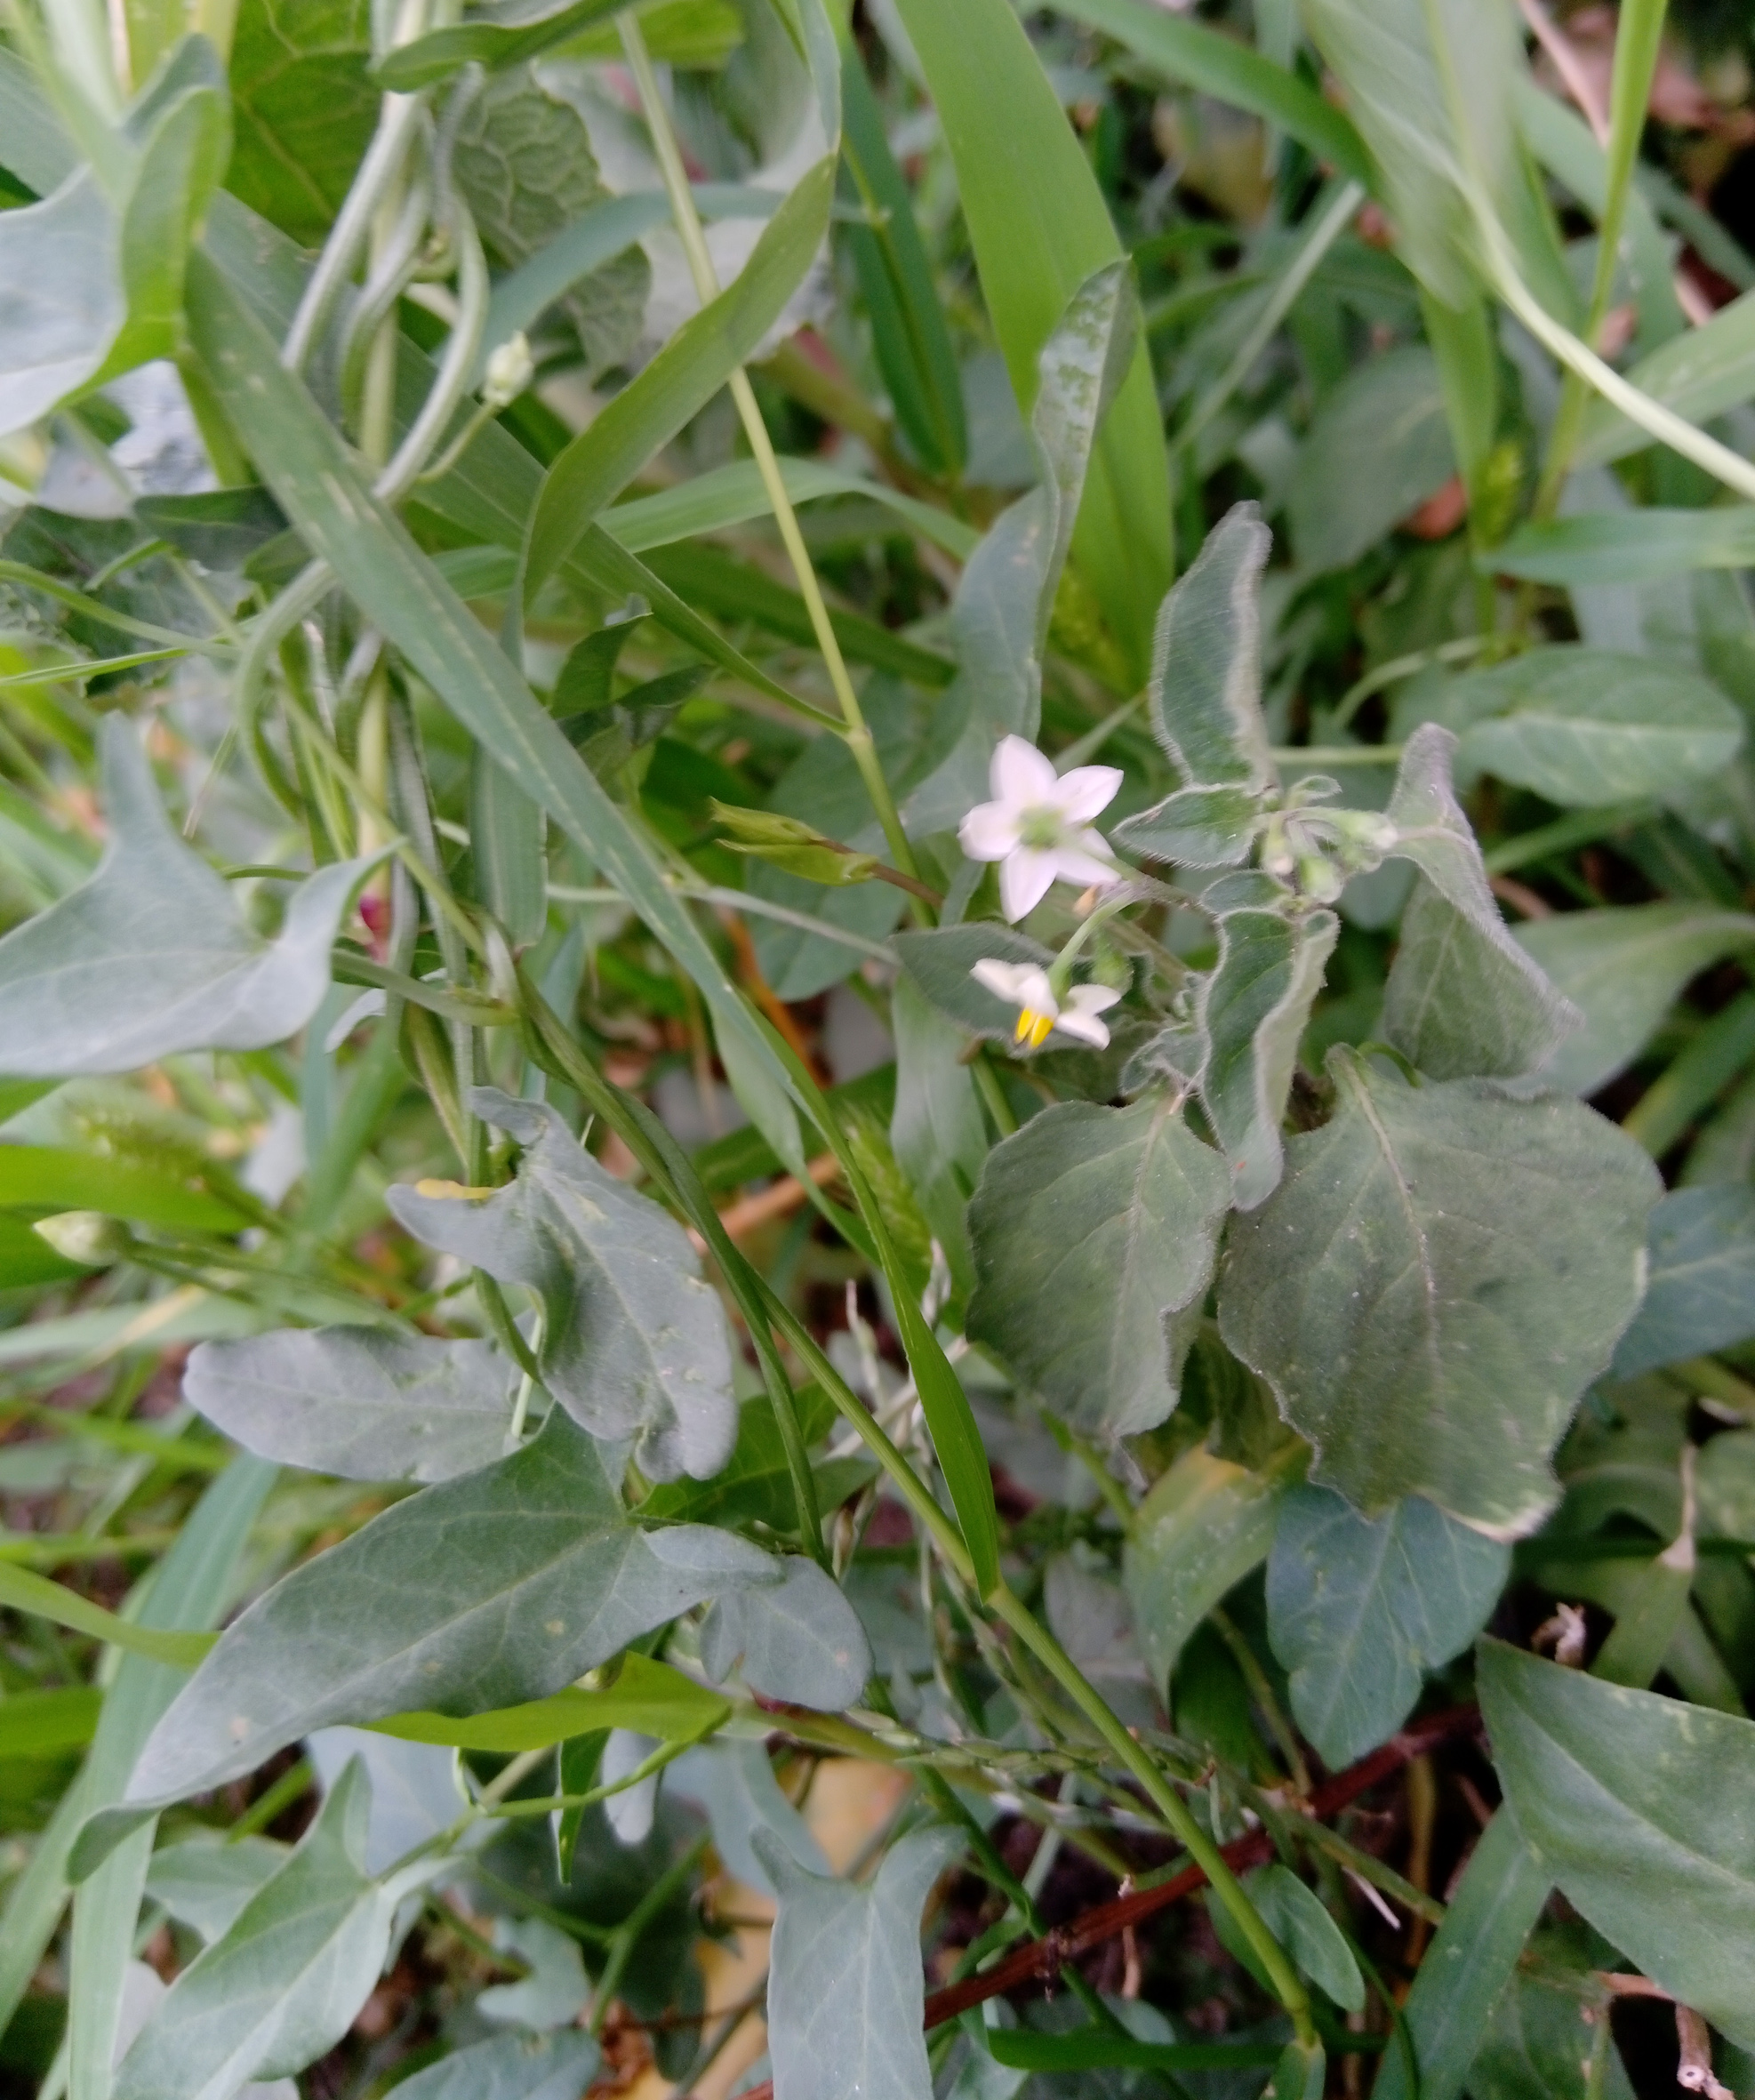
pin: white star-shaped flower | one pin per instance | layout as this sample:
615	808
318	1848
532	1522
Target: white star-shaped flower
1038	825
1026	986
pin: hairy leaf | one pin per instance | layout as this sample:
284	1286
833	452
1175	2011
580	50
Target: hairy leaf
1463	999
1252	1010
1197	827
1586	727
1639	1807
1358	1612
634	1341
1206	683
798	1639
1440	1275
1204	1525
480	1592
151	956
845	1994
1092	1228
1701	1294
1622	967
352	1401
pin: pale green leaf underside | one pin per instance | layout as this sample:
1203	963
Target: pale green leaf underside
1701	1294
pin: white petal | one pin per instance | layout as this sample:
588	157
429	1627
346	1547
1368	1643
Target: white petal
1035	992
1074	863
1025	878
1081	793
1005	981
1020	775
1085	1026
988	832
1092	999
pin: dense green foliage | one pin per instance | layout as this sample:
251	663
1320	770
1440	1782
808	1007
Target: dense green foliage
877	1094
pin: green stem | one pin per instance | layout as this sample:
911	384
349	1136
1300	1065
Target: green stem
994	1094
1287	1987
628	1933
857	735
1639	31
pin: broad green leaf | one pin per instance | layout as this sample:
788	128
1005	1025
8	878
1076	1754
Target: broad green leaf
43	1723
316	478
1006	598
1493	1910
649	1696
634	1343
1293	1913
1358	1612
491	45
556	1991
152	956
1587	727
304	109
478	1593
1040	228
939	960
845	1991
558	2066
63	302
1205	684
192	1587
284	1982
936	1130
1204	1525
1429	84
1092	1227
679	381
1463	1001
909	331
1598	546
1622	967
1699	1295
798	1639
735	1782
1442	1272
1251	1009
1638	1805
356	1402
1538	2041
1224	67
1699	374
1378	446
47	1178
205	1881
1195	827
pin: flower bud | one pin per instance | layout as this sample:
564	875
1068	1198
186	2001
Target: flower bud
510	368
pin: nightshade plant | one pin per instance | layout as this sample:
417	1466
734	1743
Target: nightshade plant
781	1208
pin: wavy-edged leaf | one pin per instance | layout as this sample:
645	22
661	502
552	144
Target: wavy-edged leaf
284	1982
1204	1525
1622	967
797	1639
152	956
679	381
1251	1009
1092	1227
1438	1277
1463	999
478	1593
1205	684
1587	727
1195	827
1358	1612
356	1402
1040	228
1701	1292
634	1343
845	1990
1639	1807
316	480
